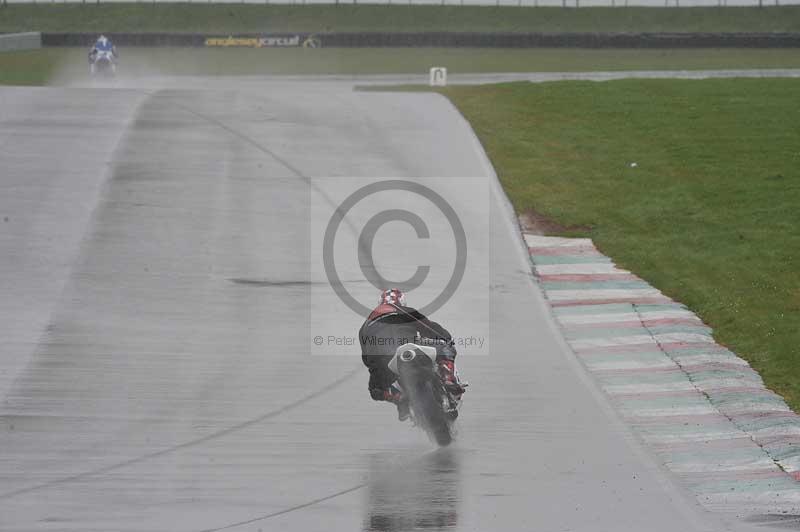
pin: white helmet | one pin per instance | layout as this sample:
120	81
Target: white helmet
393	296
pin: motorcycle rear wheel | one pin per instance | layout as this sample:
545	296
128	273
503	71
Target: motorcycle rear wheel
426	403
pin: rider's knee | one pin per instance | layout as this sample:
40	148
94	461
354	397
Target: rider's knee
377	394
446	352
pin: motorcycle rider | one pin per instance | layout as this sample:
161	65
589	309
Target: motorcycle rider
102	44
390	325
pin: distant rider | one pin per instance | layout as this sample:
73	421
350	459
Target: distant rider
388	327
102	44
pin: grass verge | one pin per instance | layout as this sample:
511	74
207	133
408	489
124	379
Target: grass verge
219	18
30	67
37	67
710	215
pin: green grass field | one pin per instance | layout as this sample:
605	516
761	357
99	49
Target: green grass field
218	18
59	64
711	215
30	67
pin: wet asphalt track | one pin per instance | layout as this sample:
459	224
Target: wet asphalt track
155	266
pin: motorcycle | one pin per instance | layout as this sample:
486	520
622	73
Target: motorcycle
433	407
102	63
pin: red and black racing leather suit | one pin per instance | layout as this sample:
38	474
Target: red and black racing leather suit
389	327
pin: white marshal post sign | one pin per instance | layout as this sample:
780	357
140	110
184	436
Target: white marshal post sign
438	77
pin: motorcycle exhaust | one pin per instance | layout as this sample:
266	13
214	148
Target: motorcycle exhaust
408	355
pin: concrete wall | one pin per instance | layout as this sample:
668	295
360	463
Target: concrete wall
20	41
445	39
531	3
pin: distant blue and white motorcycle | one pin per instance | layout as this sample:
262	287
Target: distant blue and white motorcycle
103	58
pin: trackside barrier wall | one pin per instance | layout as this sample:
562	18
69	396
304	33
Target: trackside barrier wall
20	41
443	39
455	3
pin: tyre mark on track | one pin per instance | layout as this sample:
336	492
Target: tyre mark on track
362	249
263	149
289	510
301	506
336	208
213	436
240	426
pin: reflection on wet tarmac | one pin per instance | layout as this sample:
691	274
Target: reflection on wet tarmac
419	495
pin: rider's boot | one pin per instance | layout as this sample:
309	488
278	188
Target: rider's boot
447	372
403	411
393	395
